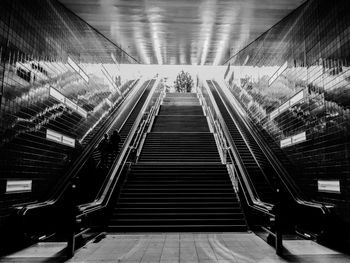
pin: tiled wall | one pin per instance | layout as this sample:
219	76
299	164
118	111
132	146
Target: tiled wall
294	80
43	90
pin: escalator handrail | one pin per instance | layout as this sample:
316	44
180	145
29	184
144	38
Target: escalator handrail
228	135
257	205
276	164
22	209
248	200
127	117
243	137
114	174
254	202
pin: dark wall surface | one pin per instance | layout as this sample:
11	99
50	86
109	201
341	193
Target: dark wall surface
313	43
43	91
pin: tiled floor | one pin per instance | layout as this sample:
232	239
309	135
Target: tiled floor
183	247
202	248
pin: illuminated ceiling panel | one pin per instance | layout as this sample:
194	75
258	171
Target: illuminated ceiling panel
197	32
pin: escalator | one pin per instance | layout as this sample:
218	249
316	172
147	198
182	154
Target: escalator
49	220
127	88
297	214
261	182
95	178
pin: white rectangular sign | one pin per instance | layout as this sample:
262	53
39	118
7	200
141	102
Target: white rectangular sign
278	73
17	186
296	98
291	102
286	142
295	139
70	104
60	138
56	94
76	67
332	186
53	136
299	138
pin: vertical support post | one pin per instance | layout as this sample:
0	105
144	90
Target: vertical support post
71	223
278	227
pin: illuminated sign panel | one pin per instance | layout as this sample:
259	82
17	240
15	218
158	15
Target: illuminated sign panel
300	137
278	73
78	69
18	186
330	186
109	78
286	142
60	138
57	95
70	104
291	102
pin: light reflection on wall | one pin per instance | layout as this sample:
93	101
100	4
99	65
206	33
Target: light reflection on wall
315	42
34	55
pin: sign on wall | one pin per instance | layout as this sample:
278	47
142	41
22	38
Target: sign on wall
328	186
298	138
59	138
70	104
76	67
289	103
18	186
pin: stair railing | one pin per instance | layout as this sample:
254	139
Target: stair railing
215	127
148	123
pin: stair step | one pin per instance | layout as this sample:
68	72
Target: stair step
178	228
206	209
175	204
165	221
179	215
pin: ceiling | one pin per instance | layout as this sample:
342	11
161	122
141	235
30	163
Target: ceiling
197	32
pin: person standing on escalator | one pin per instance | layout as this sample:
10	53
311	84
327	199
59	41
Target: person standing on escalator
104	148
115	140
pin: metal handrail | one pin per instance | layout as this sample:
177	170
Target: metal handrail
253	200
217	130
246	142
149	120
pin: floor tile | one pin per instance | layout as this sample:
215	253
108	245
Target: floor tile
184	247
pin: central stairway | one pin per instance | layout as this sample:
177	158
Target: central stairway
179	182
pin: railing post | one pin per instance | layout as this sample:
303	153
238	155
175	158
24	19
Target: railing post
71	222
278	226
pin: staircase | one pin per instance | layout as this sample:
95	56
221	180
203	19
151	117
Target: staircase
179	183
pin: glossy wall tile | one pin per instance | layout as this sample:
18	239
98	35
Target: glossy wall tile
294	82
58	78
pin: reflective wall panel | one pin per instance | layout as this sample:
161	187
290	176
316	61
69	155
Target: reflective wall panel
294	81
58	78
